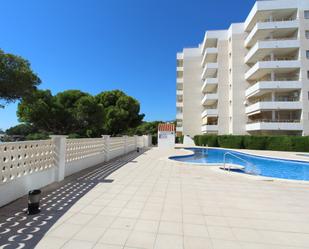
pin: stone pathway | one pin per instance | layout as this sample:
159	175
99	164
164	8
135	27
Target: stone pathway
155	203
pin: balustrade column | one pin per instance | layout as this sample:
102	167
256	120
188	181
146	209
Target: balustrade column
60	154
106	149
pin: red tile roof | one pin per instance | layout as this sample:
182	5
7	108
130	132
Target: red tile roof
166	127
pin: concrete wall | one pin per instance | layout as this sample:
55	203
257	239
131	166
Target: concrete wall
192	95
304	44
166	139
35	164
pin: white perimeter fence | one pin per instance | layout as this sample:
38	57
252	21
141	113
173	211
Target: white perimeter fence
34	164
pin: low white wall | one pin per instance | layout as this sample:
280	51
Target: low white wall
35	164
166	139
21	186
188	141
78	165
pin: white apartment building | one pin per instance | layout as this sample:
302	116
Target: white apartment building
250	79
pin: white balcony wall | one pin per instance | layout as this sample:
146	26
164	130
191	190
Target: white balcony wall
263	48
267	86
274	105
210	113
209	97
209	128
274	126
263	29
261	68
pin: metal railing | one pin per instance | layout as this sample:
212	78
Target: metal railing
249	168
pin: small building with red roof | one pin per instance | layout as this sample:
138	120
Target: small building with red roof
166	135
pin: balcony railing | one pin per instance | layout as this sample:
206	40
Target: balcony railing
278	20
277	99
288	58
283	79
270	25
273	121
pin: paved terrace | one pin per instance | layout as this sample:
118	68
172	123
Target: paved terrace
157	203
152	202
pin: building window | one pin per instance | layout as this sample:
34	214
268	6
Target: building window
307	34
306	14
307	54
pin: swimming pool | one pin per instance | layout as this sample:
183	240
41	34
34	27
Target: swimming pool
264	166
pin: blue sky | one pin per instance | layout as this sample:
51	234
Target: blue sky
98	45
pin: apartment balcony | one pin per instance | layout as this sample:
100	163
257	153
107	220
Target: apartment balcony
179	116
210	99
179	80
210	113
209	70
179	69
263	48
275	125
210	84
179	92
262	68
209	128
273	105
263	30
263	87
210	55
179	104
179	129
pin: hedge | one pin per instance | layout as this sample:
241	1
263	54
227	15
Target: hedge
209	140
154	139
228	141
279	143
179	140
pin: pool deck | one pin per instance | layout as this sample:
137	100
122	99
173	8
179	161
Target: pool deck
157	203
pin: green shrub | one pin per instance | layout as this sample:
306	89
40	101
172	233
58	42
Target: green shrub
37	136
74	135
196	140
280	143
179	140
154	139
300	144
254	142
203	140
229	141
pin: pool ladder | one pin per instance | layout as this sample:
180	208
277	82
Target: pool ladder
252	169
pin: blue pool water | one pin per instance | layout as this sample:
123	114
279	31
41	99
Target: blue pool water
264	166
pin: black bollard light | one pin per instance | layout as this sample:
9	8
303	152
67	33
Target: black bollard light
34	197
137	149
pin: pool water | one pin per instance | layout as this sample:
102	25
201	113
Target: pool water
264	166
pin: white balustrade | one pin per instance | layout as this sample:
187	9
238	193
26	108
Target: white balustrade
77	149
35	164
23	158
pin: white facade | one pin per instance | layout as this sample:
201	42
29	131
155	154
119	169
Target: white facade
166	139
250	79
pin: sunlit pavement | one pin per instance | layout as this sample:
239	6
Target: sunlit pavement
157	203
